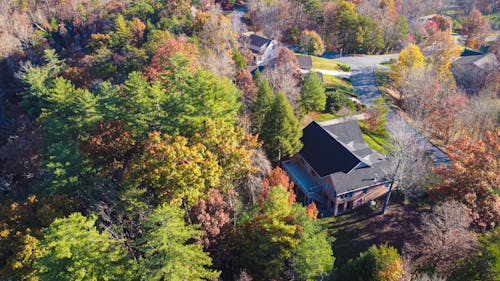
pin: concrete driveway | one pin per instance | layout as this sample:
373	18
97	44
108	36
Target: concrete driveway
365	85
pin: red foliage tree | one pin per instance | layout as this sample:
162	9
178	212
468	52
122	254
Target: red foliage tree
214	214
108	146
245	82
277	177
472	177
476	28
160	64
444	119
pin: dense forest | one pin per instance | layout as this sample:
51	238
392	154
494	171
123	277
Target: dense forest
136	142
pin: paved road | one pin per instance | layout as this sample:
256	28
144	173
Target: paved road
237	20
365	85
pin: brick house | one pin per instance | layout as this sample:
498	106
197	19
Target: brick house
336	168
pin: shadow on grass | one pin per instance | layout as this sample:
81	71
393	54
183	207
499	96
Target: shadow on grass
357	231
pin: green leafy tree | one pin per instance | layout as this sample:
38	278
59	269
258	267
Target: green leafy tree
485	264
169	253
122	36
336	100
68	112
64	167
278	232
312	97
39	81
239	60
267	236
194	98
378	263
73	249
281	131
313	255
262	102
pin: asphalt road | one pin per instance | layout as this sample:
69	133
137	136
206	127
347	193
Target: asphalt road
365	85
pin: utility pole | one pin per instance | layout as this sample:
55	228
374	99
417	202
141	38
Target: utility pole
390	188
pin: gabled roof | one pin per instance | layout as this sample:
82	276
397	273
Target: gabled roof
305	62
258	43
324	153
486	62
338	150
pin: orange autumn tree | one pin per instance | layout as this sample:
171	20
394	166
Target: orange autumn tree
161	64
277	177
473	177
312	211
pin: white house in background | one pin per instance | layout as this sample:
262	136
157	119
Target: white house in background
262	48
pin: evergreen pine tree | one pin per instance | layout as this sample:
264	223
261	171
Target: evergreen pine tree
281	130
312	97
262	102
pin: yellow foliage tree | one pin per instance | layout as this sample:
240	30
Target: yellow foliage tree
409	58
173	170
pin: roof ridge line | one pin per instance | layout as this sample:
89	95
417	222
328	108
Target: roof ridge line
341	143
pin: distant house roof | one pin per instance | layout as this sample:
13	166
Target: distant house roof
305	62
258	44
471	72
486	62
339	151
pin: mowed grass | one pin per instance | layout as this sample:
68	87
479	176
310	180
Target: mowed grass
333	83
327	64
376	142
320	117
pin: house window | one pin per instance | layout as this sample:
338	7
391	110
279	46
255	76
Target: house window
349	195
365	190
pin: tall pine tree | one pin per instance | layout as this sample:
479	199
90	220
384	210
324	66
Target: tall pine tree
281	130
262	102
312	97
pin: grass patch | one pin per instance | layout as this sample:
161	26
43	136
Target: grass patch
378	141
329	64
333	83
320	117
355	232
383	77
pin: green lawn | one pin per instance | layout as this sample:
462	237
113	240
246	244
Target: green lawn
324	117
328	64
333	83
377	141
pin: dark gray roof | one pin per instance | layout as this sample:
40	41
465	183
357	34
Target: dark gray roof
359	178
305	62
487	62
324	153
350	135
258	44
339	151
